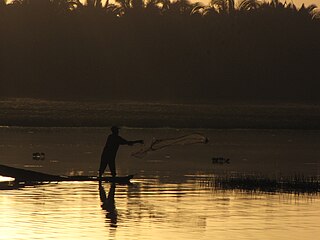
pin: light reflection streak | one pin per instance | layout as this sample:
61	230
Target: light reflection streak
6	179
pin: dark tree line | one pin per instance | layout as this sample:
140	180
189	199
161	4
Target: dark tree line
159	50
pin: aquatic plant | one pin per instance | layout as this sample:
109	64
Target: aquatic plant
297	184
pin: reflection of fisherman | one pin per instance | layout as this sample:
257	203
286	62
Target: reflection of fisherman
109	153
108	203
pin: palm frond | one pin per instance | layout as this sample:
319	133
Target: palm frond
247	5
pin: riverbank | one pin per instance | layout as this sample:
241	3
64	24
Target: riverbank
47	113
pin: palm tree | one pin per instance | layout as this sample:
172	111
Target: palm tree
123	7
137	4
3	3
181	7
93	3
277	4
153	7
316	14
223	6
231	6
65	5
163	4
198	9
308	11
248	5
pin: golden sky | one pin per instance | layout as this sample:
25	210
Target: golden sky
306	2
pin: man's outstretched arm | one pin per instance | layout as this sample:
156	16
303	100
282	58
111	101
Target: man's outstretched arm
130	143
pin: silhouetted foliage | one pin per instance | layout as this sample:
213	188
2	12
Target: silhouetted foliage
297	184
159	50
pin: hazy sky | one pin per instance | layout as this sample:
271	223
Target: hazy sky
306	2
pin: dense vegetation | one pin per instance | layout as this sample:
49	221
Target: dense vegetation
159	50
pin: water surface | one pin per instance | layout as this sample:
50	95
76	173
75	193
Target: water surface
169	197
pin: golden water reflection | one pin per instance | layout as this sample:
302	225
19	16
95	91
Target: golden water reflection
152	210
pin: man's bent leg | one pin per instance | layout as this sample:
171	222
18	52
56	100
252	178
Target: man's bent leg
102	168
112	167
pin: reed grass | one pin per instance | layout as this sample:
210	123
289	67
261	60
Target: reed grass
296	184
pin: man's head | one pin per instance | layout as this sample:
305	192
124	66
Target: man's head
115	130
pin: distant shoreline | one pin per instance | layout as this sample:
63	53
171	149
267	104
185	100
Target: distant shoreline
46	113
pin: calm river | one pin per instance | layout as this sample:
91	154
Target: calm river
170	196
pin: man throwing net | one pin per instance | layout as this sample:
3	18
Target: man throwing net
109	152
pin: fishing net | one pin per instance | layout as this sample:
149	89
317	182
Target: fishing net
158	144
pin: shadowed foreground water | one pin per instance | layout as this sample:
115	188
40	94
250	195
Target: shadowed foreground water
168	198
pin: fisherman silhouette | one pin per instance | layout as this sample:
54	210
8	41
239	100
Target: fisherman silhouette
109	153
